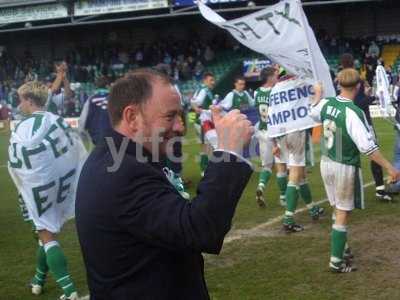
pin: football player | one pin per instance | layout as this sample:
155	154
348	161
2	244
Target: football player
202	100
238	98
59	90
346	134
44	162
269	77
291	149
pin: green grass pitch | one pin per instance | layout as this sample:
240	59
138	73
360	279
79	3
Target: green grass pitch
264	263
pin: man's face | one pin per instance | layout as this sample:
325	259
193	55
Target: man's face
160	119
240	85
209	82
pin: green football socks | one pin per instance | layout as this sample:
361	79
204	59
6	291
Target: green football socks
58	267
291	203
281	180
265	176
305	192
338	242
41	266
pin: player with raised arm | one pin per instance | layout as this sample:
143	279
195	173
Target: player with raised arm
45	156
291	149
346	134
60	90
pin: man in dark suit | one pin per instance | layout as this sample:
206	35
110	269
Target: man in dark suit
140	239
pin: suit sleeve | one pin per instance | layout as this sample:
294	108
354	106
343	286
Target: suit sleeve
154	213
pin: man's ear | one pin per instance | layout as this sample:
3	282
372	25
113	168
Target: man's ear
130	117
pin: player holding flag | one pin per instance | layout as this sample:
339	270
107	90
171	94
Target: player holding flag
346	134
269	77
44	162
291	150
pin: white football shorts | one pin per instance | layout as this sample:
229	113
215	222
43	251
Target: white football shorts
343	184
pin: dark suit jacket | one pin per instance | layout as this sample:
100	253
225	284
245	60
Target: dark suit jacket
140	239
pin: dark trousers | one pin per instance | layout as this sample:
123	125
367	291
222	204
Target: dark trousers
377	173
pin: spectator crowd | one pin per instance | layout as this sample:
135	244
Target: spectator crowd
367	52
183	60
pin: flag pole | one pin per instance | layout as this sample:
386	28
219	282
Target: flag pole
305	25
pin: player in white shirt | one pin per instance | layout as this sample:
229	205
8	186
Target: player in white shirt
45	157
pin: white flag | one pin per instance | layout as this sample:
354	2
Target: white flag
288	107
282	33
45	158
382	90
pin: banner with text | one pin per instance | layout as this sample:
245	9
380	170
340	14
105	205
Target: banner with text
282	33
45	158
32	13
253	67
96	7
288	107
194	2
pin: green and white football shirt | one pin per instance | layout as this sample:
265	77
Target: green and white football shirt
346	133
203	97
237	100
261	98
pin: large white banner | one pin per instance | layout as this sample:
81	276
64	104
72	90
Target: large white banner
95	7
282	33
382	90
288	107
45	158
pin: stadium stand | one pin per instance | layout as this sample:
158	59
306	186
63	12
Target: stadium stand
114	50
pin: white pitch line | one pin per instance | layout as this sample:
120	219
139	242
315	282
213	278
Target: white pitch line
85	298
252	231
